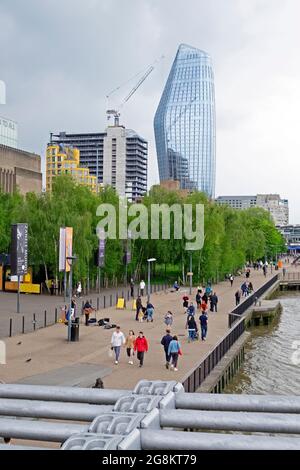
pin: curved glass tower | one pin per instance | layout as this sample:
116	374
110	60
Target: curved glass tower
185	123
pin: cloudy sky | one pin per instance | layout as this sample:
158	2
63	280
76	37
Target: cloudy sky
60	58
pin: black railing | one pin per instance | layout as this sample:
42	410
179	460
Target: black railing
250	300
195	378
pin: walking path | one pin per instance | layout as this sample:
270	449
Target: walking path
46	352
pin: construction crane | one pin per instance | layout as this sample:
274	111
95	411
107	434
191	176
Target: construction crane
116	113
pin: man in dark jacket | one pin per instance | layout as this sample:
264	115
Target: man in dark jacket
166	340
138	307
214	302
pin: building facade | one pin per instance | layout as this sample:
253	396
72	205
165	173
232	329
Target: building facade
117	157
8	132
277	207
185	123
19	170
65	160
291	234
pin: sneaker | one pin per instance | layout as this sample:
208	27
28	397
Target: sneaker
204	339
116	362
131	362
175	369
140	365
171	367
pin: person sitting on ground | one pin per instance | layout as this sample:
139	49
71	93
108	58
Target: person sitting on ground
176	286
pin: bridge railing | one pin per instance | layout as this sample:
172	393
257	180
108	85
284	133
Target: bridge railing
250	300
194	378
289	276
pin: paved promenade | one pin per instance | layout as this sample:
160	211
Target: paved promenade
45	357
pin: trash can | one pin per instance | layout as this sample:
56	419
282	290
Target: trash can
75	331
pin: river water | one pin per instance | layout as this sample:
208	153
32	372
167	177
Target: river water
272	355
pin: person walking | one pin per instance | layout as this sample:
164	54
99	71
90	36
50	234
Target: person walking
166	340
150	312
138	307
237	297
131	287
203	323
169	318
185	301
214	302
117	340
129	344
79	289
244	288
198	300
191	326
174	350
141	346
142	287
191	309
231	278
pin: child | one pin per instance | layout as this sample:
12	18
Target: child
141	315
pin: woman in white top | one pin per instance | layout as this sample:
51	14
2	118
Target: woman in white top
142	287
117	340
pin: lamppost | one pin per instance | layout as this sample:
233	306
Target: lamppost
150	260
70	260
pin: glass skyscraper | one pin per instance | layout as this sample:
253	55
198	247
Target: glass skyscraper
185	123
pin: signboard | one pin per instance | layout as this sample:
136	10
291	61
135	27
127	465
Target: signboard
69	245
62	249
101	252
19	249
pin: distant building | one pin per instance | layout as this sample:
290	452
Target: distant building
278	208
185	122
65	160
291	234
117	157
19	170
8	132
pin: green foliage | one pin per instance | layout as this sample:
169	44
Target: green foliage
231	237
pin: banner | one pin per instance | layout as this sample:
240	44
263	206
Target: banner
62	249
19	249
69	244
101	252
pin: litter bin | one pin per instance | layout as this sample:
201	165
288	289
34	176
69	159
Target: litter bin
75	331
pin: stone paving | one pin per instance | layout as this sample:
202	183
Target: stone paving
36	357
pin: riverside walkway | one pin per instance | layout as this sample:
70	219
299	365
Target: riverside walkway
45	357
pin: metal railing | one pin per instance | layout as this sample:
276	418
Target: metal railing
195	377
29	323
250	300
289	276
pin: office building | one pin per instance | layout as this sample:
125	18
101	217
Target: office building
19	170
277	207
117	157
184	123
66	160
291	234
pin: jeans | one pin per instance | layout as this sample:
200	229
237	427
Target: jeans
117	350
213	307
129	352
203	331
150	312
140	356
174	359
168	356
137	313
192	334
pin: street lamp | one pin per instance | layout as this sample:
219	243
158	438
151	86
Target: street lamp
150	260
70	260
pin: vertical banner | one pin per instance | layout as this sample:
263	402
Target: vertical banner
101	252
62	249
69	243
128	248
19	249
